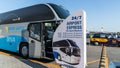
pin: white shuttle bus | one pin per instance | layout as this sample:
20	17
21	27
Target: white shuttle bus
67	51
29	31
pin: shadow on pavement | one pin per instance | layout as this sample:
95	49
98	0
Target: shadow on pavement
28	62
32	64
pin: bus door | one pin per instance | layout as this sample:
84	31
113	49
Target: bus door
48	31
35	49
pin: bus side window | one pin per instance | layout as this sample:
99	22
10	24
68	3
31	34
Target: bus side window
34	31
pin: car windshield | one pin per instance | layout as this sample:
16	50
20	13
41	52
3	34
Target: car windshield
103	35
109	36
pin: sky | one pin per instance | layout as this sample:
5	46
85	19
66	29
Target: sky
100	13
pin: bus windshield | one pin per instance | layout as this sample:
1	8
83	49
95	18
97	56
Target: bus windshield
62	12
73	44
76	52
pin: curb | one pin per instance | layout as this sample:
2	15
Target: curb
103	58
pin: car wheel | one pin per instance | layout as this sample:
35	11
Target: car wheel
24	50
96	43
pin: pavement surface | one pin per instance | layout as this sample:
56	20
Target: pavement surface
113	54
13	60
93	56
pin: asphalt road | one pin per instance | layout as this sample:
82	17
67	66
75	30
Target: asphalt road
113	54
13	60
93	56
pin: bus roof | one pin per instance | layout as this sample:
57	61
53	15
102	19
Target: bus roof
32	13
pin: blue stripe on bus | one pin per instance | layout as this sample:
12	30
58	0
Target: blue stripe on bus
11	43
56	54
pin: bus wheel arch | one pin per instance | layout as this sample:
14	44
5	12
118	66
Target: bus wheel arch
24	49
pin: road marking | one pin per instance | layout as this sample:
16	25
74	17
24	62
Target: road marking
107	63
104	58
4	54
49	65
90	62
8	54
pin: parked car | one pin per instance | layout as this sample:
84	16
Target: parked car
107	39
112	39
118	39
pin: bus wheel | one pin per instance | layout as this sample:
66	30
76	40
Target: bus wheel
59	58
24	50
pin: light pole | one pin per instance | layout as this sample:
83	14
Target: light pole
102	29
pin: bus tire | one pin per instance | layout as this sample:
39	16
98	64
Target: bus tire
24	50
